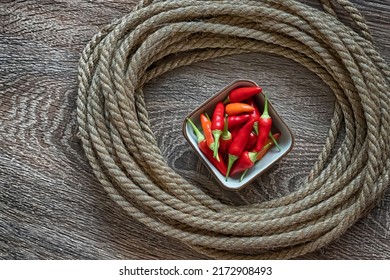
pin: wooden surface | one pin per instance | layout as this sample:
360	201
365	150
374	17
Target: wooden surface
52	207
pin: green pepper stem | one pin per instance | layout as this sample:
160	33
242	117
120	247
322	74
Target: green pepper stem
252	156
275	142
212	148
207	116
232	159
243	175
217	135
256	127
198	134
265	114
226	135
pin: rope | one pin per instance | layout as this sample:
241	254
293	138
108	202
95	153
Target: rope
123	153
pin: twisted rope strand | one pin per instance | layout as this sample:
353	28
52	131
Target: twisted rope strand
159	36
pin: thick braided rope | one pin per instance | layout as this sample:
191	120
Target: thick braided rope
122	150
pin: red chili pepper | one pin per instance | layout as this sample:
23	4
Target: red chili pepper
226	138
202	144
233	109
217	124
238	144
265	124
255	114
206	126
242	93
234	132
244	162
234	121
248	159
251	140
220	165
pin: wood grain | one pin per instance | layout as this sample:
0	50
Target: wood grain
51	205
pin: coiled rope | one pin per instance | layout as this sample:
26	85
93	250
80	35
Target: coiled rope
122	150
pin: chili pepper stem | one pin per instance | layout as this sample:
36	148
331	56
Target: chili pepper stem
274	141
243	175
212	147
226	135
256	128
265	111
217	135
253	156
231	160
198	134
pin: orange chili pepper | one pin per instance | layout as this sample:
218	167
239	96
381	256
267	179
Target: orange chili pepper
268	145
233	109
206	127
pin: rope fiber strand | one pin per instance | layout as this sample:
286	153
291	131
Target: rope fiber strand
123	153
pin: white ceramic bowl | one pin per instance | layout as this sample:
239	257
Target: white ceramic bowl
285	141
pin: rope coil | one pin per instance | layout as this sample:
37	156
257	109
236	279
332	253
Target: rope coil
123	153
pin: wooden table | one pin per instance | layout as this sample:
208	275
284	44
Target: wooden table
51	205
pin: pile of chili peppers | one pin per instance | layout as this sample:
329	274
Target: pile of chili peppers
237	135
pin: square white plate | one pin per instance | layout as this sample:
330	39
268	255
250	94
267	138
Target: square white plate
286	140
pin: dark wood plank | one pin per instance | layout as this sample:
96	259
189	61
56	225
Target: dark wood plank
51	205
